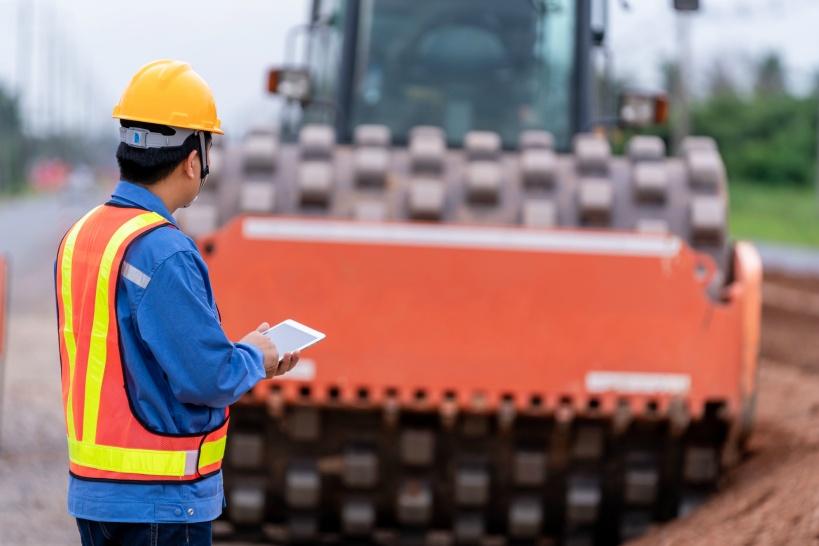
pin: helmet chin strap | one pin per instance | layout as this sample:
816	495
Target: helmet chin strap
204	167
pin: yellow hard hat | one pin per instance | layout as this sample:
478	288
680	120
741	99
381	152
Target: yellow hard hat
169	93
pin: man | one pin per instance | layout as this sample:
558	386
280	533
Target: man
147	371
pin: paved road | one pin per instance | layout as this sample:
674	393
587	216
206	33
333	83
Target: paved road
790	260
33	468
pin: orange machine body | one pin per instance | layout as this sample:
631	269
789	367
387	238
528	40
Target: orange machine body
479	316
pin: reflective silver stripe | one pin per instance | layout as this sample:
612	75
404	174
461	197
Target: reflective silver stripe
638	382
135	275
449	236
191	461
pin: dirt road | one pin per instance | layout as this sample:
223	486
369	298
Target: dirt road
771	498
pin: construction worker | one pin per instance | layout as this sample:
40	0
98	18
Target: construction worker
147	371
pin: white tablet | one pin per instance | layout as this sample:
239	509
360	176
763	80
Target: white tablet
290	336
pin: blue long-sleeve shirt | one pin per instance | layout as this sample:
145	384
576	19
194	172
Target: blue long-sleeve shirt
181	370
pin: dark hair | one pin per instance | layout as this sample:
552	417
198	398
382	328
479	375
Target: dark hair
148	166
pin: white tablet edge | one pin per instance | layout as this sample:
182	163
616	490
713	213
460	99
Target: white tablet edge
303	328
306	329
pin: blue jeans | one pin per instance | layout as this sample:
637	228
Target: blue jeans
98	533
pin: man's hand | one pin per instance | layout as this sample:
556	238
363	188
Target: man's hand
272	365
268	348
288	362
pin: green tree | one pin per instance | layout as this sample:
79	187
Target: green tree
770	76
12	144
766	139
720	80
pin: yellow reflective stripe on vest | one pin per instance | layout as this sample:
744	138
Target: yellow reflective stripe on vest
132	461
97	355
68	312
212	452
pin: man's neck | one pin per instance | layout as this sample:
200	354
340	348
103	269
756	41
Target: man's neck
163	189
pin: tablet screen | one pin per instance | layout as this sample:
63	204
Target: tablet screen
287	338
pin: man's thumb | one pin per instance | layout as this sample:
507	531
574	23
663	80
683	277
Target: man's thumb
263	327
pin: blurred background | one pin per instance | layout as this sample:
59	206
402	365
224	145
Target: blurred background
751	82
745	72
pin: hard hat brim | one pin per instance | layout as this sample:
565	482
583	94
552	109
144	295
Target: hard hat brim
214	130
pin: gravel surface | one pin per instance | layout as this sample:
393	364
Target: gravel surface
788	335
33	458
771	498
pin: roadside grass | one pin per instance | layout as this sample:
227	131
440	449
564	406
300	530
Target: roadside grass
783	214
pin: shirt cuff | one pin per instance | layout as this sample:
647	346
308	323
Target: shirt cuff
258	357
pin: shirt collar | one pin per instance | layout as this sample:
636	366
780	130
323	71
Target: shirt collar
126	193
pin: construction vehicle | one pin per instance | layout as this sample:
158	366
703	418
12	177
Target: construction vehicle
528	338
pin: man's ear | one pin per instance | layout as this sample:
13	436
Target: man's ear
190	166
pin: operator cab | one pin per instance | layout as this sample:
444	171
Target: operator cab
462	65
465	65
504	66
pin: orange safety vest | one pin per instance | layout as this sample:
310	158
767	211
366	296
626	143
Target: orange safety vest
106	440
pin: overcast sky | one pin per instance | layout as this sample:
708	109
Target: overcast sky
739	31
99	44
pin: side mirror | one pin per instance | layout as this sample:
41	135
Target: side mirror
642	109
290	83
687	5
